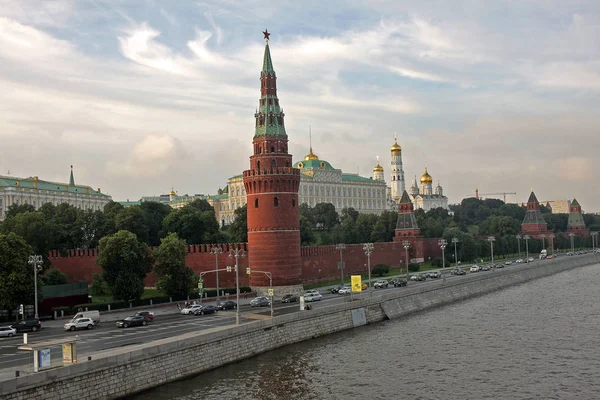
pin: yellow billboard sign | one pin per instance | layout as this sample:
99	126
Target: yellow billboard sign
356	283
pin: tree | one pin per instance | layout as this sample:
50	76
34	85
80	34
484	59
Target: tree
132	219
16	276
385	227
307	235
125	263
193	225
35	229
413	267
16	209
238	230
54	277
175	278
325	216
90	225
99	286
380	270
437	262
201	205
364	227
154	214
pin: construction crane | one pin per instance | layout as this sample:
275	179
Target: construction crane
503	194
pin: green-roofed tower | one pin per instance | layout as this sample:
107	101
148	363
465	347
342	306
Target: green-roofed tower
576	224
71	179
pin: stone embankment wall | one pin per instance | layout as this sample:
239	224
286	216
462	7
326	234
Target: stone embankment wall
120	373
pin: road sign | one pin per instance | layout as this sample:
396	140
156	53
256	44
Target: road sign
270	292
21	309
229	268
356	283
200	285
341	265
248	270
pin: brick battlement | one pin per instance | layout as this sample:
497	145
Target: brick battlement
272	171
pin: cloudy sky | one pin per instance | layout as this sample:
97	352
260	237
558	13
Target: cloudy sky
139	95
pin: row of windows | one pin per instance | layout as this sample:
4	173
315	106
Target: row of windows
275	202
342	192
37	204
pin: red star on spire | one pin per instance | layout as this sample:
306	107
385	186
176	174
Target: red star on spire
267	34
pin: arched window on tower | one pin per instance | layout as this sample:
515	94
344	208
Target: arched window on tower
272	149
255	203
273	164
276	202
293	202
287	163
258	166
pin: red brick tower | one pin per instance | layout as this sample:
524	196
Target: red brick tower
407	229
534	224
576	223
272	188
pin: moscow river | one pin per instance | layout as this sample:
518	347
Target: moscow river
536	340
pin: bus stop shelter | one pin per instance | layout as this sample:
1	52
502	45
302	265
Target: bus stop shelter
47	354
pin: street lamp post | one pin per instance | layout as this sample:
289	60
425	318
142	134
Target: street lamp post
341	247
216	251
237	253
519	244
491	239
368	248
36	261
268	274
543	236
406	245
455	240
551	236
443	244
572	235
594	240
526	238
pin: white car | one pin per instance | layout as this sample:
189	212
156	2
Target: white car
381	284
519	261
345	290
508	263
191	309
311	291
7	331
79	323
474	268
310	297
530	259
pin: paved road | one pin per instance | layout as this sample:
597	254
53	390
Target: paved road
169	322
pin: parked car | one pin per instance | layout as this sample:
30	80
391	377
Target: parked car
7	331
290	298
28	325
135	320
146	314
474	268
380	284
458	271
208	309
313	297
79	323
434	274
398	282
228	305
190	310
345	290
260	301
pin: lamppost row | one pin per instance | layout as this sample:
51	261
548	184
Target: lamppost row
341	247
36	261
237	253
526	238
216	251
406	245
443	244
368	248
491	239
455	241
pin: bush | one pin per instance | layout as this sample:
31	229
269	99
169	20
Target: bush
54	277
380	270
437	262
99	286
413	267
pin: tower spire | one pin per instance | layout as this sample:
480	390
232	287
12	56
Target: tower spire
71	179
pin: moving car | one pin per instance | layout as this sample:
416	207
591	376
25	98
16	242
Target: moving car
419	277
190	310
28	325
260	301
519	261
398	282
507	262
228	305
336	289
380	284
94	315
313	297
290	298
79	323
485	268
345	290
474	268
7	331
530	259
135	320
311	291
434	274
458	271
208	309
146	314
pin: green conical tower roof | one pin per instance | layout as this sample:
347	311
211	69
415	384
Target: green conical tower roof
575	203
267	62
71	179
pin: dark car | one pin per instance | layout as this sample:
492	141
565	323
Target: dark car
292	298
398	282
459	271
434	274
28	325
206	310
336	289
135	320
228	305
260	302
146	314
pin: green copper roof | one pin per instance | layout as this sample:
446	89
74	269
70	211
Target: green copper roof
31	183
357	178
130	203
405	199
575	203
313	164
267	62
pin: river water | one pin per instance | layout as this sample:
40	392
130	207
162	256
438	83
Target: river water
539	340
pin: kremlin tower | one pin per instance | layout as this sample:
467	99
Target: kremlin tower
406	225
576	223
397	181
272	186
378	172
534	224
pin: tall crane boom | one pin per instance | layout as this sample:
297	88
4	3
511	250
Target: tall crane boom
503	194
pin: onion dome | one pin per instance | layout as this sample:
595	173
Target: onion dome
172	192
426	178
396	147
378	168
311	156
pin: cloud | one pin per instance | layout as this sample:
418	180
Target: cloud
575	168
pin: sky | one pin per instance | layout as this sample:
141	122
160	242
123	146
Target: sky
143	95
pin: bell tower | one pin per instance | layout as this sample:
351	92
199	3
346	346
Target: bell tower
272	188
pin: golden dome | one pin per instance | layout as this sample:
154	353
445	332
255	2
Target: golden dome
378	168
396	146
311	156
172	192
426	178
